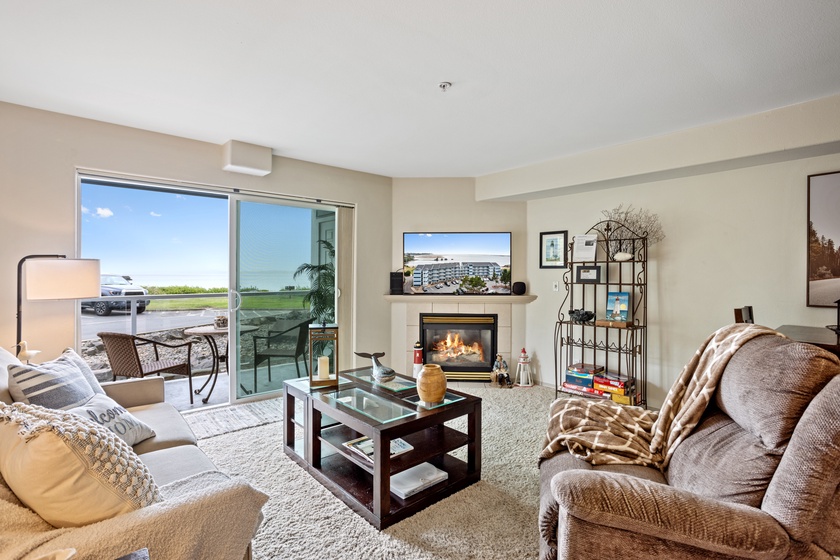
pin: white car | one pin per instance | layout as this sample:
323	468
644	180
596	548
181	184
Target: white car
116	285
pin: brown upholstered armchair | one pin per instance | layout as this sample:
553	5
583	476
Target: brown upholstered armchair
757	478
125	360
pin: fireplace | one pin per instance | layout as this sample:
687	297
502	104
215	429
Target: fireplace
464	345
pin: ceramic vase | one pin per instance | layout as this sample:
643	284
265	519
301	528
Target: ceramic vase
431	384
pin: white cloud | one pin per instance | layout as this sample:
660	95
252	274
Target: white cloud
85	210
104	212
155	214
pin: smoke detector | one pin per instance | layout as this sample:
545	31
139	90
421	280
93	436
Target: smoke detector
444	86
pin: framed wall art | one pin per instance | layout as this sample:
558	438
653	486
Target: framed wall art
553	248
585	274
823	239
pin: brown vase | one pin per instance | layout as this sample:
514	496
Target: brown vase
431	384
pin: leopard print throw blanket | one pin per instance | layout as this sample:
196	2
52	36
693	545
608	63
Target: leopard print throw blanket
603	432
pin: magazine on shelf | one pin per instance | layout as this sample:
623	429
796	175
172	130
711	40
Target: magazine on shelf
417	478
583	249
364	446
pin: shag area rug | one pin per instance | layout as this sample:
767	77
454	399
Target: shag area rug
494	518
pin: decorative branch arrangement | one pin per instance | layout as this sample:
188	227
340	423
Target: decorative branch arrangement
633	222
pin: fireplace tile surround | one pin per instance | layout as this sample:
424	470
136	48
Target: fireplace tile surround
405	322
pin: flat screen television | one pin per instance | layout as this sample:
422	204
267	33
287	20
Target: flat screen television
449	263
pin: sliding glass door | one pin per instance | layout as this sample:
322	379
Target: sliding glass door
283	270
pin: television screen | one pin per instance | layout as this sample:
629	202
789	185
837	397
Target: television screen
456	263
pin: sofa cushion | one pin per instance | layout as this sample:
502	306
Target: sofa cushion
170	428
68	470
769	382
106	412
722	460
6	359
174	463
63	383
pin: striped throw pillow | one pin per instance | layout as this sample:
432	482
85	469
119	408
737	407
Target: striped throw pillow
63	383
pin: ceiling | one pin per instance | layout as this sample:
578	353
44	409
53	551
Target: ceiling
354	84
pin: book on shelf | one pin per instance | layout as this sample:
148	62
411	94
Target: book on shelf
584	247
580	379
585	368
612	388
630	398
364	446
416	479
613	379
583	391
618	306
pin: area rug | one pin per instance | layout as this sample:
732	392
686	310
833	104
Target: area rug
232	418
494	518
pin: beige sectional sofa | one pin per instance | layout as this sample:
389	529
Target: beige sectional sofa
200	512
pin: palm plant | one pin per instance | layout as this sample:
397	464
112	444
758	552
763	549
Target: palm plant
321	295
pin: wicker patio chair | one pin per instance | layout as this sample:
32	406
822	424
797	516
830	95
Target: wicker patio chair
126	361
270	348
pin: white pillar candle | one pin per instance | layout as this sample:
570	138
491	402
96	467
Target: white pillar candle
323	367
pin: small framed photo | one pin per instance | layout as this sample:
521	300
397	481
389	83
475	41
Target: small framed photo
553	248
585	274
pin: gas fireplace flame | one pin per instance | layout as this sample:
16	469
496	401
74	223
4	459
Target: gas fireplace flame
453	346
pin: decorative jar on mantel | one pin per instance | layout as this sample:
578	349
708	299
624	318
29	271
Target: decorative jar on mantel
431	384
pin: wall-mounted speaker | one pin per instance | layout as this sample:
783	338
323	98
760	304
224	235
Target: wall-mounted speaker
396	283
518	288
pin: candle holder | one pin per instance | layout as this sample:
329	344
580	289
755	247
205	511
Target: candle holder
323	355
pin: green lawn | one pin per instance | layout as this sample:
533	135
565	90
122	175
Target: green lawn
290	301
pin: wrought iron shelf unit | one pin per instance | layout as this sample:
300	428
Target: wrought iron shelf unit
620	347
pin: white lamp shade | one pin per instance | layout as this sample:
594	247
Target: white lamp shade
62	278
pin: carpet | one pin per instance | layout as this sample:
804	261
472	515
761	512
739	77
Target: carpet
494	518
227	419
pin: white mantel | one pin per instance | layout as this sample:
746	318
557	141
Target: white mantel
405	321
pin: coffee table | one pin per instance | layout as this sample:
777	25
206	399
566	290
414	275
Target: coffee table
362	407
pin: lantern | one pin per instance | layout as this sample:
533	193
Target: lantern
323	355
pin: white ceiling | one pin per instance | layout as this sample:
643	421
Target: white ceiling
354	83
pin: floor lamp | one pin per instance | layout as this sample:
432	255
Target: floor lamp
55	277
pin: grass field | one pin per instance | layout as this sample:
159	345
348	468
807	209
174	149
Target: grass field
274	301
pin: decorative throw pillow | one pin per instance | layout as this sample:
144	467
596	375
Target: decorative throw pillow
70	471
63	383
106	412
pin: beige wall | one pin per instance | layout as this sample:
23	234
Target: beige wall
732	200
450	205
733	238
40	152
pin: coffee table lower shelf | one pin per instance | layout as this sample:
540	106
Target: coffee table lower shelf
354	486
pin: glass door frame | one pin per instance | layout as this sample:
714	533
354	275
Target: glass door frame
234	298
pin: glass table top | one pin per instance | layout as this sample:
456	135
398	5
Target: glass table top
397	384
372	406
448	398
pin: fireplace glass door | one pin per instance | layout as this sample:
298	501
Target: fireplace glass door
463	345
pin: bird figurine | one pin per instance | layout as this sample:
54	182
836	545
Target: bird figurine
380	372
24	353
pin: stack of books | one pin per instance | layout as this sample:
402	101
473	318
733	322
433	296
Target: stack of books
619	390
589	380
580	380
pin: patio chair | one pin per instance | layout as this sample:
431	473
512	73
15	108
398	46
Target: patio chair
271	347
126	361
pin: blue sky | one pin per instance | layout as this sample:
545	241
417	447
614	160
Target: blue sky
457	243
162	238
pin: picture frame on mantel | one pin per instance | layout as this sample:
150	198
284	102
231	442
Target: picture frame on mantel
823	282
553	249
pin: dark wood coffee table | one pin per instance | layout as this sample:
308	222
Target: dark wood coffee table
382	412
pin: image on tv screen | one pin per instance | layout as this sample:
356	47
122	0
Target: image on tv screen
456	263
